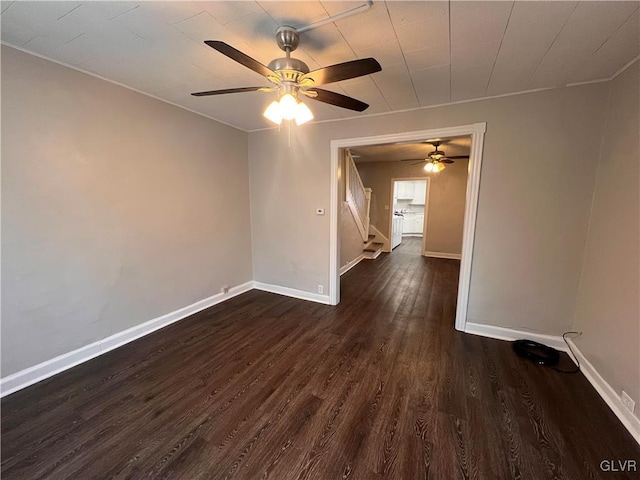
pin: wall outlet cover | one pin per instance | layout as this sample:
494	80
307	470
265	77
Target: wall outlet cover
225	289
320	289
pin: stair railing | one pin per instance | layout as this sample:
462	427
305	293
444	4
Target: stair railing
358	197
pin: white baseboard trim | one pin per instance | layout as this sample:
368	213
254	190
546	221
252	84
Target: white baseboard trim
608	394
292	292
44	370
502	333
345	268
451	256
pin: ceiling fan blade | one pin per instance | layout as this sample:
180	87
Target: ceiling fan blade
343	71
414	160
416	163
240	57
445	160
455	157
226	90
338	100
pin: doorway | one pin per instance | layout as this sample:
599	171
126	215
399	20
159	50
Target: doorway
476	131
410	207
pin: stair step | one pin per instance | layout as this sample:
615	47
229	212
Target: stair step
374	247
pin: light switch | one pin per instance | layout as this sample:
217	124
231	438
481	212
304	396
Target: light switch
319	211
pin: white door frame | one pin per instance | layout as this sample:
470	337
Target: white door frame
426	207
477	131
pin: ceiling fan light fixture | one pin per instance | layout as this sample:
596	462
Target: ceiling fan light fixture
433	167
303	113
274	112
288	106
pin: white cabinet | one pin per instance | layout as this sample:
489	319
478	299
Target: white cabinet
419	192
419	223
397	231
414	190
405	190
413	223
407	224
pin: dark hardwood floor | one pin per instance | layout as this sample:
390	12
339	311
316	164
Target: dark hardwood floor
265	386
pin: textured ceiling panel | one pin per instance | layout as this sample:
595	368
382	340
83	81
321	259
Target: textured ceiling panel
391	152
431	52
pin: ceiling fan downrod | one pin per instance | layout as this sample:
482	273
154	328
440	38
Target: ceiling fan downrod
290	68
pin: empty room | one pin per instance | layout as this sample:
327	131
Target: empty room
320	240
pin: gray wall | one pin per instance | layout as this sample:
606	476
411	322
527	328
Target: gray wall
447	195
608	307
116	209
540	156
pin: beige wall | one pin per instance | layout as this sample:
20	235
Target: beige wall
539	165
447	194
116	209
351	243
608	307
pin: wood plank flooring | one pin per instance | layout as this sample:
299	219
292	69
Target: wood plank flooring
265	386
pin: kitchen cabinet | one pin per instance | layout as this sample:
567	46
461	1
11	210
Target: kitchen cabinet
405	190
419	193
415	191
413	223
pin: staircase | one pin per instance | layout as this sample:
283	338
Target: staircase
359	200
372	249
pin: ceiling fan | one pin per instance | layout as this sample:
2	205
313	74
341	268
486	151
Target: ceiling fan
435	159
291	78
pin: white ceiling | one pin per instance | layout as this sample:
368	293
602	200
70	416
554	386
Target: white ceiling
431	52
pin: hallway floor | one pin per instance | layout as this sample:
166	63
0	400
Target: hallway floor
266	386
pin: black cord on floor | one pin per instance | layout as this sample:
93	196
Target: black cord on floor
575	358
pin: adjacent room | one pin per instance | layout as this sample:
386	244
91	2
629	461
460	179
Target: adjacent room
320	239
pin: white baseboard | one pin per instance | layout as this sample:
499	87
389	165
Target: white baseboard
502	333
451	256
31	375
345	268
608	394
292	292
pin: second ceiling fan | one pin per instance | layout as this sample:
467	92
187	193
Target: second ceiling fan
291	78
436	159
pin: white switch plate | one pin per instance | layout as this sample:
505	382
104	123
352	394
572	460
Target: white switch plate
627	401
319	211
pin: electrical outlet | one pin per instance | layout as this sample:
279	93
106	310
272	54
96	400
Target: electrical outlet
320	289
225	289
627	401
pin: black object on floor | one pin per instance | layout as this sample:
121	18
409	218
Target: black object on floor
536	352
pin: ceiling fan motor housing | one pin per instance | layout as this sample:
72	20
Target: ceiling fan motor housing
287	38
290	69
285	64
